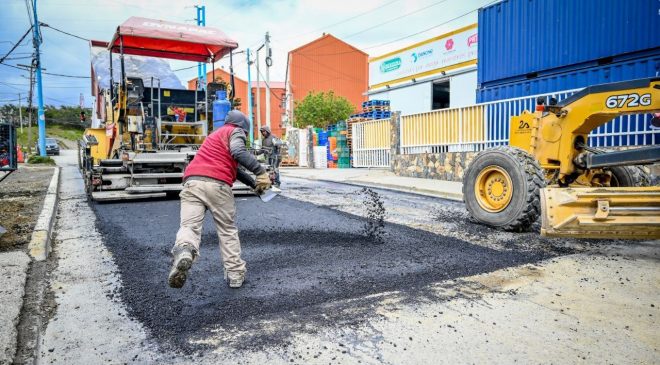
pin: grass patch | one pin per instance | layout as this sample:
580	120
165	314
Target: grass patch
69	132
43	160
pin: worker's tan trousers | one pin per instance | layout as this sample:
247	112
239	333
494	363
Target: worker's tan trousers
196	197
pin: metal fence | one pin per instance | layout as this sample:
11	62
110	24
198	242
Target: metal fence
371	143
480	126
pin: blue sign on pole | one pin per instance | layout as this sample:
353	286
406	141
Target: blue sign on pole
201	67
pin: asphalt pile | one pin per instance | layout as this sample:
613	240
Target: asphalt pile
301	258
374	227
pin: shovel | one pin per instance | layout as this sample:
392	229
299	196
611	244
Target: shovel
269	194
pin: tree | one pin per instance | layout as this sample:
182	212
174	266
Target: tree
236	103
63	114
321	109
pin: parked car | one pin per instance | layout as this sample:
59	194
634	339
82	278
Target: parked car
52	148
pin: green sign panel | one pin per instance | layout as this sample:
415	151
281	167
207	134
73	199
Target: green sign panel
390	65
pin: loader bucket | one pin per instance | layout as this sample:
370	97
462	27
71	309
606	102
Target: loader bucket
617	213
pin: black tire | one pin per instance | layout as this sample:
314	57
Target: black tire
629	176
527	178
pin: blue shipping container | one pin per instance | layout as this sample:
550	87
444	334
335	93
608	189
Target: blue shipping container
622	131
621	71
528	38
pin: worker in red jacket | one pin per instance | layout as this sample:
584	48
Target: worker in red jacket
207	186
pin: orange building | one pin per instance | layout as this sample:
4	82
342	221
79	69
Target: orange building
277	92
326	64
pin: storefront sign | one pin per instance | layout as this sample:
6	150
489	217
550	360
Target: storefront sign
424	58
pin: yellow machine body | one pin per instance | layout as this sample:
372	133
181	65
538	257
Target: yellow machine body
579	201
630	212
579	210
551	136
101	150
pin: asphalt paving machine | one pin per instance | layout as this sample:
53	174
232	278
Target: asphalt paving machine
148	134
548	169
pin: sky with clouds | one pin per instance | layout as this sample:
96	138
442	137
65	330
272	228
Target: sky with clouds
366	24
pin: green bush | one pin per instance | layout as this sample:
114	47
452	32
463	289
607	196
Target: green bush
321	109
45	160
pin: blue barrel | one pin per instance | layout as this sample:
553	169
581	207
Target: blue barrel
221	106
323	138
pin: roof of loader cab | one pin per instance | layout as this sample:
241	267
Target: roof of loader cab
163	39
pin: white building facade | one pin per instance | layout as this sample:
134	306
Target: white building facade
437	73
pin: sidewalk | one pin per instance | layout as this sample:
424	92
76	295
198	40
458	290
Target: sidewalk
25	209
382	179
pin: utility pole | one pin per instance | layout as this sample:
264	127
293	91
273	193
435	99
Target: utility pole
249	97
20	112
41	119
269	62
201	67
29	146
258	94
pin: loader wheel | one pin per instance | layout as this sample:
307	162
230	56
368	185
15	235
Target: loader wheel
629	176
501	188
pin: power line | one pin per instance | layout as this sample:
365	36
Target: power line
341	22
184	68
28	7
18	58
407	36
15	45
20	68
433	27
62	75
63	32
13	87
270	88
394	19
47	73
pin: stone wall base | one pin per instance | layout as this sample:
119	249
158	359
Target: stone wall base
448	166
451	166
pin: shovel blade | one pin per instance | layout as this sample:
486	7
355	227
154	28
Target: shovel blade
269	194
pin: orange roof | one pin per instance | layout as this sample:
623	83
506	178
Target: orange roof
323	38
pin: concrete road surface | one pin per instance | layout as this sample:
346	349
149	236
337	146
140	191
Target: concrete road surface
429	287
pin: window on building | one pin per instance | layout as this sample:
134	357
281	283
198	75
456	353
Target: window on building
440	95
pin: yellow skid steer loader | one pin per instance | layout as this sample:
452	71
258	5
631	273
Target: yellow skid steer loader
549	170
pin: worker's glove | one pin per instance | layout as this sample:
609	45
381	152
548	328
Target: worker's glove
263	183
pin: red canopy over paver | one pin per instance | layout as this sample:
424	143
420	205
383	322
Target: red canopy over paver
158	38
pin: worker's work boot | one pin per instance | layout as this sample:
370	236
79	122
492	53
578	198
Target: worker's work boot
183	259
235	279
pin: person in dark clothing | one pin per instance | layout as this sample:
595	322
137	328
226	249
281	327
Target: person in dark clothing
271	147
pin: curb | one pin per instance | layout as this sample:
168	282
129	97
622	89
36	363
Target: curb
39	246
397	188
412	190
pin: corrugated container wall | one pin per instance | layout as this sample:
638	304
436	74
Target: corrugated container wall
528	38
620	71
329	64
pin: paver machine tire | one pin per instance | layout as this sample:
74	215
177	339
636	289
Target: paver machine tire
629	176
501	188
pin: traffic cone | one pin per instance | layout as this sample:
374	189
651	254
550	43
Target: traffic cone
19	154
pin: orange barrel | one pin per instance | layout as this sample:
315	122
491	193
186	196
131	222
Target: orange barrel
332	142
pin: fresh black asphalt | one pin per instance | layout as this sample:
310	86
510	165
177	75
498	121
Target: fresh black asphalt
301	259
